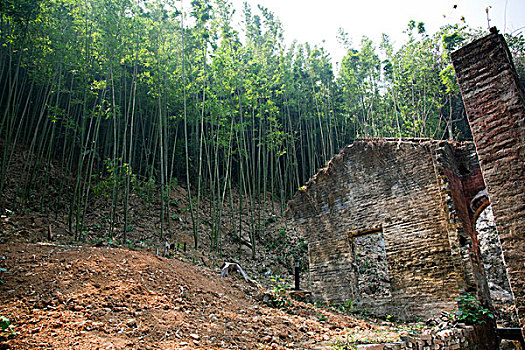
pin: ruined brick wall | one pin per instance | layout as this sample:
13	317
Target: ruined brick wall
379	227
495	104
459	168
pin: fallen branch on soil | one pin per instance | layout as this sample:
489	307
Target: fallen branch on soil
228	267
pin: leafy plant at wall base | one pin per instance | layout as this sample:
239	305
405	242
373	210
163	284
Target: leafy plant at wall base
347	307
470	310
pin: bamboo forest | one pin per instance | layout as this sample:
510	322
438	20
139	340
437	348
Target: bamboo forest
118	99
184	174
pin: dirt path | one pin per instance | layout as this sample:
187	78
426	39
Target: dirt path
62	297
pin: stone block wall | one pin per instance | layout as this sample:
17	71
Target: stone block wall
396	194
495	104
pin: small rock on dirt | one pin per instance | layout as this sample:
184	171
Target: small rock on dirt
131	323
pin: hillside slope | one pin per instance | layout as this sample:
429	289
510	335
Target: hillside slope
65	297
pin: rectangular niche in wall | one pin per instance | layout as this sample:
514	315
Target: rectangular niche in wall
372	276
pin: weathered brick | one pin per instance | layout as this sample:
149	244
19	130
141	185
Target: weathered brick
383	231
497	117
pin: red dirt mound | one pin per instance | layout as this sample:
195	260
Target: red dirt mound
64	297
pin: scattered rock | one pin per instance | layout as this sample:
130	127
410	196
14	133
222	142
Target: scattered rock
131	322
97	325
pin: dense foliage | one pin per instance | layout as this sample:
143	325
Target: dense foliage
129	94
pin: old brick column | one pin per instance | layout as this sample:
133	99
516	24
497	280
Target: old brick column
495	104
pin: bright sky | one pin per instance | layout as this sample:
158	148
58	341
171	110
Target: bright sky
315	21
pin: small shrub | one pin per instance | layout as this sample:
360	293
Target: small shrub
130	244
470	310
277	296
6	328
347	307
270	220
4	323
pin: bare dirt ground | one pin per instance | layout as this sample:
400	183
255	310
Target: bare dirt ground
66	297
93	294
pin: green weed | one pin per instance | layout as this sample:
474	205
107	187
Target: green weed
470	310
